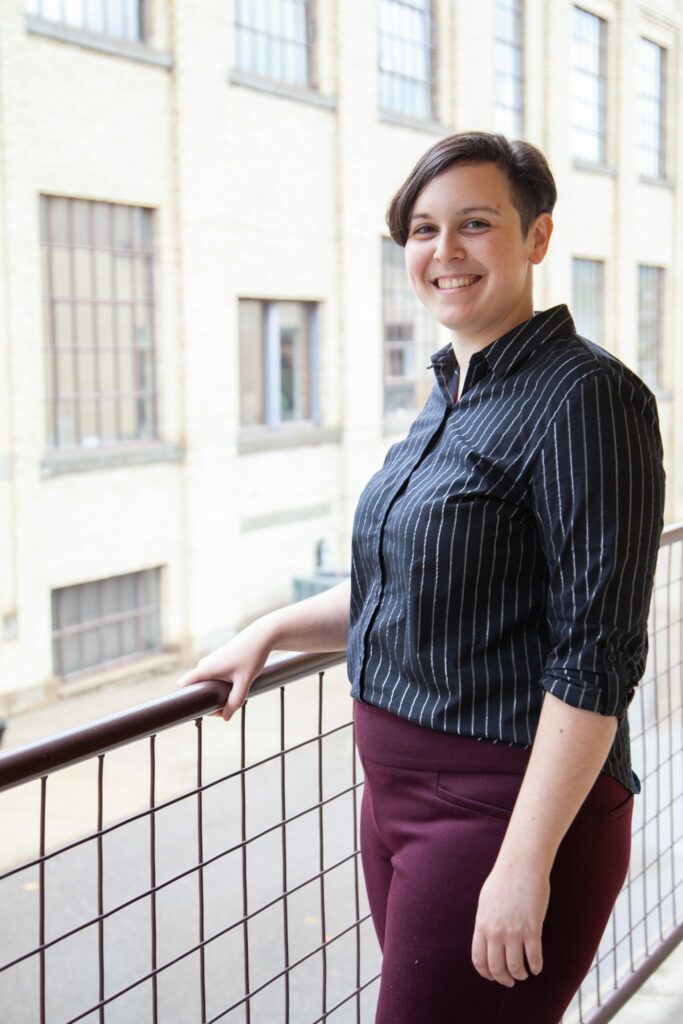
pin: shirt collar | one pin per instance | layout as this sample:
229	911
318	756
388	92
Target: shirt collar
503	354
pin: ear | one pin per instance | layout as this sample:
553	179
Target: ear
538	238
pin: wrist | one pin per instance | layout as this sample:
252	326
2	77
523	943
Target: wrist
269	629
527	852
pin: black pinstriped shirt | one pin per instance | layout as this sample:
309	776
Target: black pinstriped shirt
508	544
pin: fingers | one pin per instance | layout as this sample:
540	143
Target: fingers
497	958
503	961
236	698
480	956
534	954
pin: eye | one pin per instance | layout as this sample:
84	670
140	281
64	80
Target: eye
427	226
481	223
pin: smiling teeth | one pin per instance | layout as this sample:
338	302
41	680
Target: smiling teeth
456	282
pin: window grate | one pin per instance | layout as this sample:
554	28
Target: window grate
105	621
98	304
406	57
589	86
121	19
274	38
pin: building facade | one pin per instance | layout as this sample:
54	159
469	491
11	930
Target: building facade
208	341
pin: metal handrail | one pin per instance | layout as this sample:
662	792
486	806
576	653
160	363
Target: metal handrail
34	760
37	760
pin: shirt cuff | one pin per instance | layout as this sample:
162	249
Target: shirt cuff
608	692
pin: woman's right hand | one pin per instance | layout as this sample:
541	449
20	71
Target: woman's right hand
239	662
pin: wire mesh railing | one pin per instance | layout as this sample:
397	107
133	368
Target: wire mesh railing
153	868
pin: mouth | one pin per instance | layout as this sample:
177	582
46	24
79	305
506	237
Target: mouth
453	284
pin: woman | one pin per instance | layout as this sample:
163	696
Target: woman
495	622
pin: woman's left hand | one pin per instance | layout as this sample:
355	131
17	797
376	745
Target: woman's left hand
512	908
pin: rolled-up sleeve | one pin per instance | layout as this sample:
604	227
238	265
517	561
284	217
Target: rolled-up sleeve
597	493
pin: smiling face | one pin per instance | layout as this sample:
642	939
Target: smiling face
467	259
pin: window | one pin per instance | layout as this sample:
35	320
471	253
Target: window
589	86
124	19
97	623
406	57
98	322
651	99
588	301
278	362
508	58
273	38
409	337
651	325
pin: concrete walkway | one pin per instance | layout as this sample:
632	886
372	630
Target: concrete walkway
660	1000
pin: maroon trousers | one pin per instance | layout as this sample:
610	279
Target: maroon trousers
434	812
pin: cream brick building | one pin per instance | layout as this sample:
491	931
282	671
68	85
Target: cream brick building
182	177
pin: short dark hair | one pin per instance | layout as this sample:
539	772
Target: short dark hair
532	186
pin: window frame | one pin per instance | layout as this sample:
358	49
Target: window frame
424	341
272	374
139	613
601	264
655	380
663	108
250	66
518	112
603	92
34	8
399	110
147	425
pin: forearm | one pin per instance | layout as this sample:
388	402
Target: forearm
319	623
569	749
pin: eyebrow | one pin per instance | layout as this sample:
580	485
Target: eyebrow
465	209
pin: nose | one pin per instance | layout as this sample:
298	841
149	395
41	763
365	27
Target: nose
448	246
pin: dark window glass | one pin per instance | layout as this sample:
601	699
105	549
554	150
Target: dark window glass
104	621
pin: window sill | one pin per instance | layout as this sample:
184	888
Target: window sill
644	179
133	668
286	90
94	41
584	165
261	439
403	121
284	517
90	459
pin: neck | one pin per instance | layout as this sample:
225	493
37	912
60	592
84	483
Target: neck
466	344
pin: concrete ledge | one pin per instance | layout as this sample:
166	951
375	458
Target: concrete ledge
94	41
264	439
87	460
645	179
433	127
584	165
290	515
287	90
